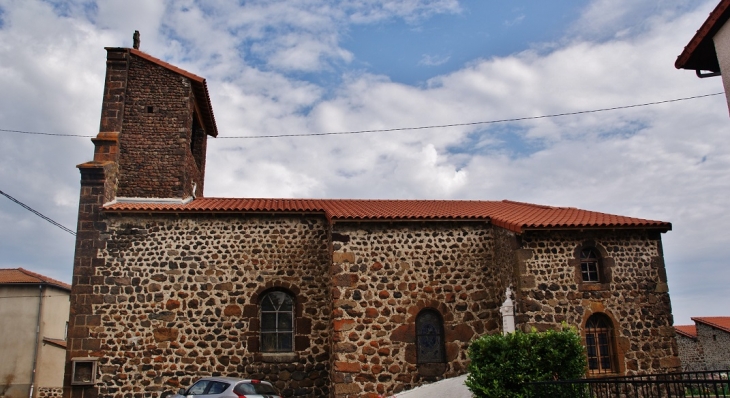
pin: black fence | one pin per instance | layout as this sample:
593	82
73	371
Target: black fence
685	384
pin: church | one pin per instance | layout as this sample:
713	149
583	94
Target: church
323	297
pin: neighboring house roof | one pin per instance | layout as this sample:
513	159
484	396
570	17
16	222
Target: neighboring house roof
20	276
55	342
200	89
718	322
700	53
514	216
687	331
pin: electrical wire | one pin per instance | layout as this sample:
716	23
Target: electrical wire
517	119
38	214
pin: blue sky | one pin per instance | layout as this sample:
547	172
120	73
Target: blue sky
412	52
310	66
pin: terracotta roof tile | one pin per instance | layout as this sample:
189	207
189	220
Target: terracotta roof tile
515	216
699	54
200	89
719	322
10	276
687	331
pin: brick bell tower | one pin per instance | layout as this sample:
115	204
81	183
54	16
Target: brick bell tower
151	147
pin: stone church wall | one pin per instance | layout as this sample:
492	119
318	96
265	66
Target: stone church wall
180	301
633	295
384	274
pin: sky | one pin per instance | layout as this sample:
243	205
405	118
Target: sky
318	66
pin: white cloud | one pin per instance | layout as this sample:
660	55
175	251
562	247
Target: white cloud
433	60
645	162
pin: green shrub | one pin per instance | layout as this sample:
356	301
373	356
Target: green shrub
502	366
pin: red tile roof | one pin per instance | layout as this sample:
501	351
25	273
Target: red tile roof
515	216
719	322
700	53
20	276
200	89
687	331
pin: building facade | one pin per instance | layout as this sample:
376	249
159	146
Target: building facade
33	320
323	297
705	345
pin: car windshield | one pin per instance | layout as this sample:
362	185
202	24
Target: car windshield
257	388
206	387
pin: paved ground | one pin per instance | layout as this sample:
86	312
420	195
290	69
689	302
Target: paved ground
451	388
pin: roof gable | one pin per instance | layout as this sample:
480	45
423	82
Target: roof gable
20	276
514	216
718	322
699	54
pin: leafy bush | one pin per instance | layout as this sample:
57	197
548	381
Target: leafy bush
502	366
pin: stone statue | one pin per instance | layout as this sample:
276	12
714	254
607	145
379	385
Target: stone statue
135	40
508	313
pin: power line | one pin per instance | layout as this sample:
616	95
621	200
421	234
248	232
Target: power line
51	134
37	213
517	119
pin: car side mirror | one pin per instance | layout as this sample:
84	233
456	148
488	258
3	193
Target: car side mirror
181	391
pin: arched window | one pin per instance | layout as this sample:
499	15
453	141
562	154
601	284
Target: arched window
599	344
430	337
590	265
277	322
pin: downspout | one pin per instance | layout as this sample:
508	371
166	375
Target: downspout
37	341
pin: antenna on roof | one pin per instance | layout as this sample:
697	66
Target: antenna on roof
135	40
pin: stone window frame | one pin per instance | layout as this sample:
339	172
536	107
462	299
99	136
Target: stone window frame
276	331
618	348
302	325
440	331
605	267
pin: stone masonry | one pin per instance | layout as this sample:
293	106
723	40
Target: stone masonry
635	296
384	275
180	299
715	346
690	353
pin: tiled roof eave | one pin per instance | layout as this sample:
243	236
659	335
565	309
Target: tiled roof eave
183	210
662	228
682	333
691	57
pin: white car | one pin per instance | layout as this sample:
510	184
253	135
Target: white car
228	387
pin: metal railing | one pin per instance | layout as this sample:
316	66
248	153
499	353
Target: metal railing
704	384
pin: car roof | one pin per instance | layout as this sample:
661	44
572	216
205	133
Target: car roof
230	379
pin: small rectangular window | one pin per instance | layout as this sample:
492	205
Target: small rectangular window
83	371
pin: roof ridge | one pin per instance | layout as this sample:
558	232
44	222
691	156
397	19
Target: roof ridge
546	207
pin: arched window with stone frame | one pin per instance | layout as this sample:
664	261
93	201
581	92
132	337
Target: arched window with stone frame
600	346
590	265
430	337
277	321
593	267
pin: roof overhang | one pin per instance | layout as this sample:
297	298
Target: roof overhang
699	54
